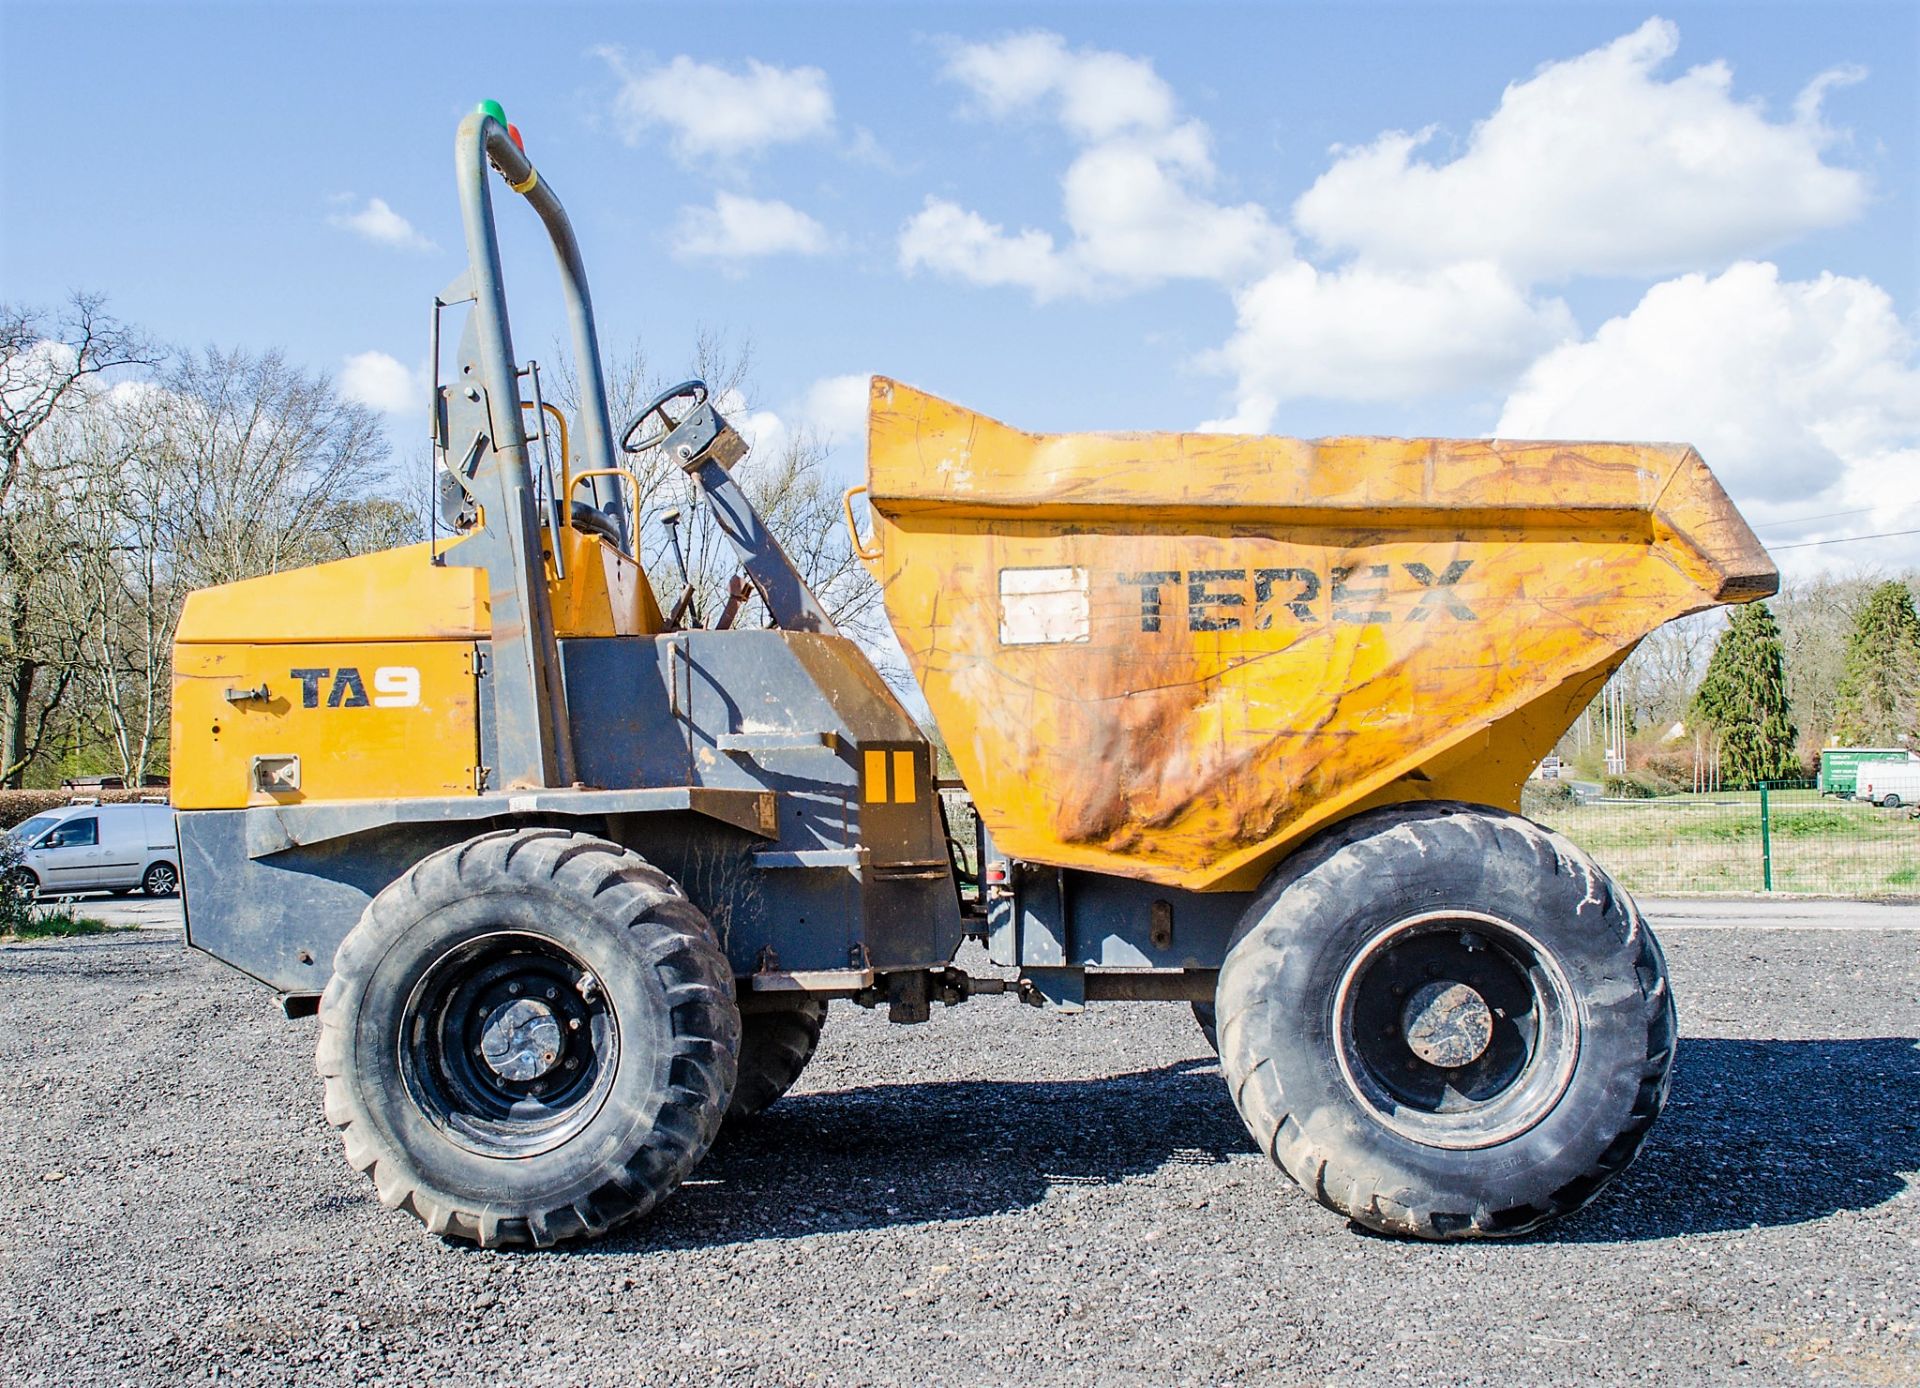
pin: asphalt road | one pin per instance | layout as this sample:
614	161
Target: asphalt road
1000	1196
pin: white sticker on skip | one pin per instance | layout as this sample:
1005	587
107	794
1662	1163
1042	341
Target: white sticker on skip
1041	607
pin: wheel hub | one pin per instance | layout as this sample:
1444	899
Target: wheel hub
512	1044
1456	1029
1447	1024
521	1040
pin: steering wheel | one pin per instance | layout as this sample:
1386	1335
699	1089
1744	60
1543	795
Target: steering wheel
663	420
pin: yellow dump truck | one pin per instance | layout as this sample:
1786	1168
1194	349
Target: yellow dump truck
571	877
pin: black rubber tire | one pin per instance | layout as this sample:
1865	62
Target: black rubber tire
1892	802
1370	880
160	879
660	975
774	1048
24	883
1207	1016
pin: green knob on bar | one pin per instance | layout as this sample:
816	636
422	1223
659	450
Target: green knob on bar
494	109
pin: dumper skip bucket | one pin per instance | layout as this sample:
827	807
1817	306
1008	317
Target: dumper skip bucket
1171	656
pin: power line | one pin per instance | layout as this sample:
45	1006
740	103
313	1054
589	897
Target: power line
1845	539
1809	520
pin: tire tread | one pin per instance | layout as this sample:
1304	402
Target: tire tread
685	955
1339	1178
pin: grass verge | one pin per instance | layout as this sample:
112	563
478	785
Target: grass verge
57	923
1698	844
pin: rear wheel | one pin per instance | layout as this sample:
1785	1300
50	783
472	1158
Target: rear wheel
528	1038
1208	1017
1445	1021
775	1047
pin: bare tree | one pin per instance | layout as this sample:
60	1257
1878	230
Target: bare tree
122	590
45	360
50	366
1666	668
259	455
122	497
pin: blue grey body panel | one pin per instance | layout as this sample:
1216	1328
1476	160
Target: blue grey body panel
1057	918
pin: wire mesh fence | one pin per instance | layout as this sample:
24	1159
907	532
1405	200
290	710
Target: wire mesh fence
1784	837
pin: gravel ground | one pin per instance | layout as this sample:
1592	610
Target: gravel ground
1001	1196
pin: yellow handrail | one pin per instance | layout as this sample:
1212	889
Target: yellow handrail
860	550
633	484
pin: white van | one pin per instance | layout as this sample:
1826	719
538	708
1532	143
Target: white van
96	848
1889	783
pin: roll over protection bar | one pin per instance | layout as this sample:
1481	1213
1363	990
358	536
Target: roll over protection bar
481	139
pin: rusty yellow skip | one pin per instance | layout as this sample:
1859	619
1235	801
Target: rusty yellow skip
1172	656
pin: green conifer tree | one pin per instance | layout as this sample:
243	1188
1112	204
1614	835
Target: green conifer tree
1878	704
1744	700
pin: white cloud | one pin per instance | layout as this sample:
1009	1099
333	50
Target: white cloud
1137	218
379	223
711	112
1134	197
835	408
380	382
831	413
1595	165
1426	271
738	228
1361	333
1096	94
946	238
1802	395
765	432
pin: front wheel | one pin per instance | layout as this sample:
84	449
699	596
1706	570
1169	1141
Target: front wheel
1892	802
1445	1021
529	1037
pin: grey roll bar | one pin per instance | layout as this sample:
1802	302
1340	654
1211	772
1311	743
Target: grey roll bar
482	138
533	743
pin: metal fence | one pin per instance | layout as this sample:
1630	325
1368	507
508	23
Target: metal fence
1784	837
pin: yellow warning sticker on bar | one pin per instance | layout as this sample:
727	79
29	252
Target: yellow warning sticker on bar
903	778
876	777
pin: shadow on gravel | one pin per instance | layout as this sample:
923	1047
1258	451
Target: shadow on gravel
1756	1133
887	1155
1761	1133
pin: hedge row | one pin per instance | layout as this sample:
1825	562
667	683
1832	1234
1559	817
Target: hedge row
18	805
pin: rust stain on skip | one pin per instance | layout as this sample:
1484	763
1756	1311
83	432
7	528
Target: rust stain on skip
1170	656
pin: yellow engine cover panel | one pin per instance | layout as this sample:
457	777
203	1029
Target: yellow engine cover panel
365	721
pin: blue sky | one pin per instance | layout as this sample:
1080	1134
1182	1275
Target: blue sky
1686	222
